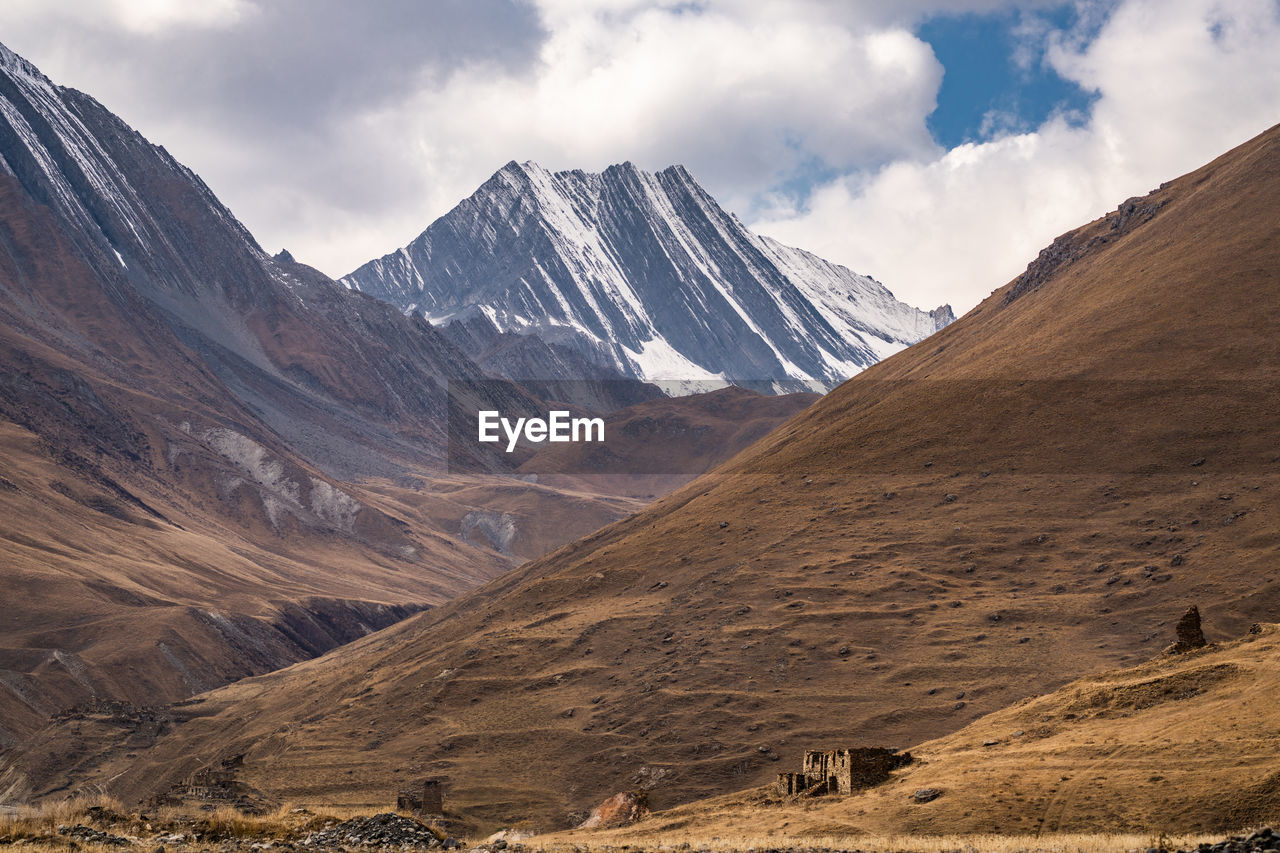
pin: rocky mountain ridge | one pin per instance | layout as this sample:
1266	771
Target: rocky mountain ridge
645	274
215	462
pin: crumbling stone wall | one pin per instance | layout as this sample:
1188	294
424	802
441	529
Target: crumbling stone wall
790	784
864	768
1189	634
428	798
841	771
220	784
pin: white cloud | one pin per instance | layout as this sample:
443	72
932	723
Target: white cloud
155	16
1180	81
149	17
746	94
342	130
743	101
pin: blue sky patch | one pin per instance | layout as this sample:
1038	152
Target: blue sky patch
996	79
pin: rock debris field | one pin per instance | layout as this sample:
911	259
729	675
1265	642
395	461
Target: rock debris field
1262	840
384	831
380	832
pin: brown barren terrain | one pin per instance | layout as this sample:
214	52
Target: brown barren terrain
1181	743
213	463
1033	494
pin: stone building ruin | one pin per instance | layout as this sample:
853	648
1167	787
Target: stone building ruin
427	798
1189	634
218	785
841	771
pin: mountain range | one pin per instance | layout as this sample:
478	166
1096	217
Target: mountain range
216	462
647	275
1035	494
224	489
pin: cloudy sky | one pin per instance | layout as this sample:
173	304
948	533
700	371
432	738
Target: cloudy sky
934	144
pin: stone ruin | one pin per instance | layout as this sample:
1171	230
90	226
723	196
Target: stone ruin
426	798
841	771
218	785
1188	632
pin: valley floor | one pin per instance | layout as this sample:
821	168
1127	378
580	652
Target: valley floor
103	825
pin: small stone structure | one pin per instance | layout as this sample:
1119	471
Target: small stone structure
841	771
217	785
1188	632
428	798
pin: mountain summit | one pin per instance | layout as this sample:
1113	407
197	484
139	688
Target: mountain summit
647	274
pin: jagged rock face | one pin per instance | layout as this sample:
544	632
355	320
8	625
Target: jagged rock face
622	809
134	213
647	274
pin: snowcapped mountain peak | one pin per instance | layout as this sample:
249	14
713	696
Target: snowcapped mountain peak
679	173
645	273
12	64
518	171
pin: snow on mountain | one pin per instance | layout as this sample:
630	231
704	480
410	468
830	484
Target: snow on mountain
646	274
345	380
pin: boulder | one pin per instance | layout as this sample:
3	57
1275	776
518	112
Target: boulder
621	809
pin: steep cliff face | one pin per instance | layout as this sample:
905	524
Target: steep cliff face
647	274
552	371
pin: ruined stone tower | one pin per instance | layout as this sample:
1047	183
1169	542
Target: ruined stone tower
841	771
1188	632
426	799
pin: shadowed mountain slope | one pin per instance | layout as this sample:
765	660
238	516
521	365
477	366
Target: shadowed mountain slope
213	462
668	438
552	371
183	420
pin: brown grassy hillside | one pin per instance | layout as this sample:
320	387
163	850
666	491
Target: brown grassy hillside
1178	743
1032	494
213	463
129	588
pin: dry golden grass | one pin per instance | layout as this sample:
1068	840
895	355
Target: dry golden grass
37	826
1053	843
1181	743
30	821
